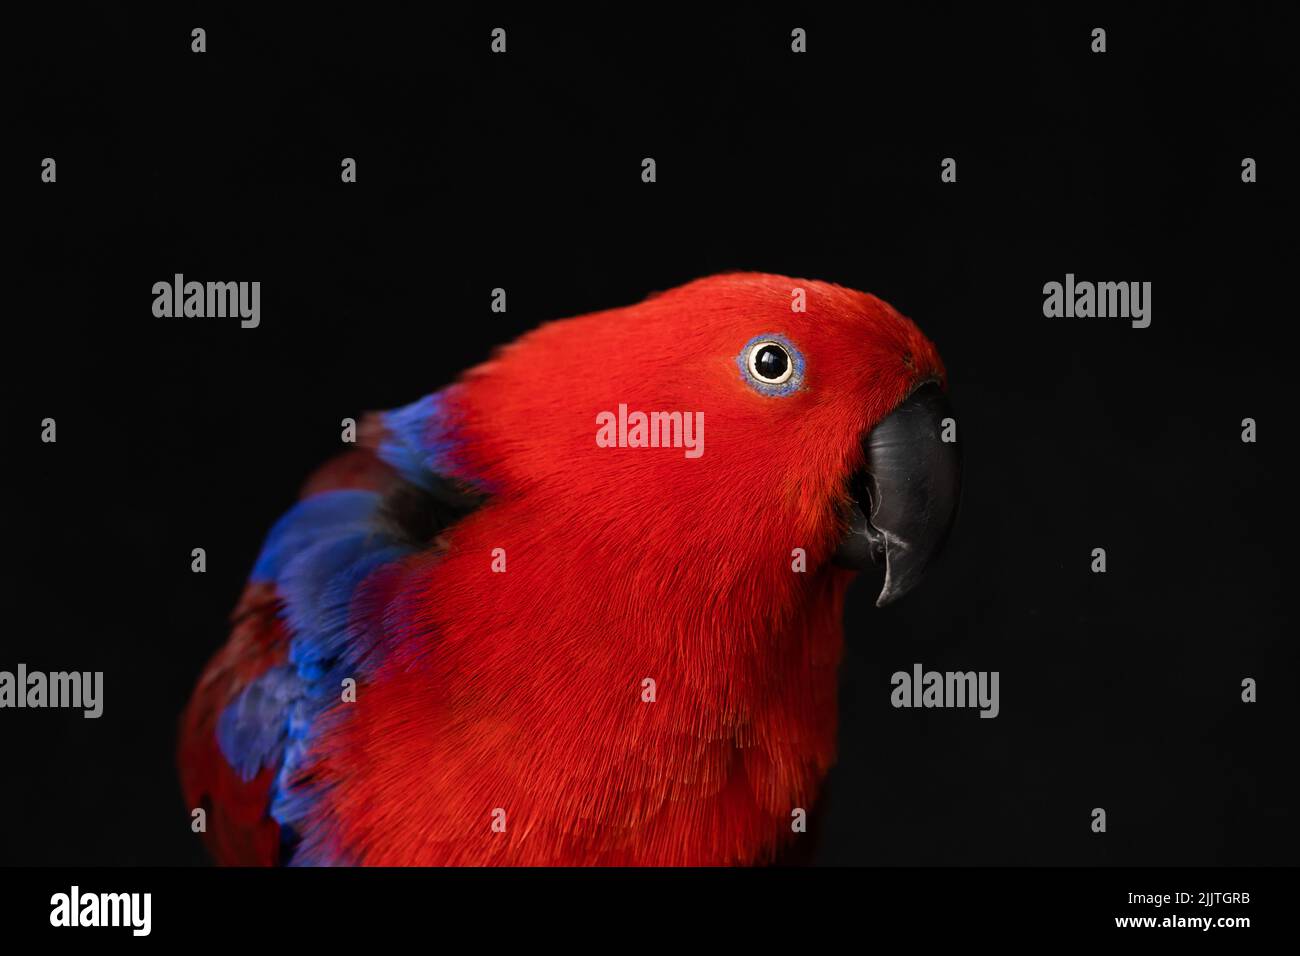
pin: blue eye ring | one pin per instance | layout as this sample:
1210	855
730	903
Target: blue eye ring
792	378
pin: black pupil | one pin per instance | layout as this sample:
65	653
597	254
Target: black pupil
771	362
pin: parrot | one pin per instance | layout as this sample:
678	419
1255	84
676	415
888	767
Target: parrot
507	627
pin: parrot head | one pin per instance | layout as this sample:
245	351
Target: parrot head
782	417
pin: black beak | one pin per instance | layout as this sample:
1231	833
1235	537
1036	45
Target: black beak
904	500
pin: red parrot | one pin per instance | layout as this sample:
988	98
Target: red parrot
582	606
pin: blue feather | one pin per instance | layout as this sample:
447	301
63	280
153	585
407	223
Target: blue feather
317	556
418	443
329	514
250	731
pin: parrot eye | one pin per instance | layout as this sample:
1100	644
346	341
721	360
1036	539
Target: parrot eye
771	364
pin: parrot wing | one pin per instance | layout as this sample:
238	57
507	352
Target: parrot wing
300	627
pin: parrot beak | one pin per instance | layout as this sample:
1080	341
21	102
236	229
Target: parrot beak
904	500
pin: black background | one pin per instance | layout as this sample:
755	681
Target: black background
522	171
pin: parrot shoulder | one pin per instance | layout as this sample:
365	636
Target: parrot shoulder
307	623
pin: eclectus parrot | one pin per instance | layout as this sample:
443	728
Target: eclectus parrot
491	635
